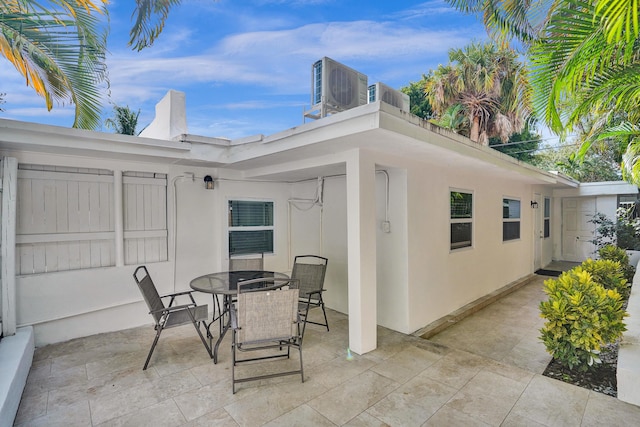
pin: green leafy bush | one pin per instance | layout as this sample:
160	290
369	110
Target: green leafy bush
614	253
607	273
624	232
581	316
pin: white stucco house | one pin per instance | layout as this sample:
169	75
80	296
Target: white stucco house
416	221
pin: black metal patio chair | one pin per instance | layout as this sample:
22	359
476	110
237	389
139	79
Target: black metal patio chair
309	271
172	315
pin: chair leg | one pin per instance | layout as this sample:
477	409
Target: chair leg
196	325
233	363
326	322
304	325
207	346
301	368
153	346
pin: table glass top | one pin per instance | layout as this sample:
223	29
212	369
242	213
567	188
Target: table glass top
226	282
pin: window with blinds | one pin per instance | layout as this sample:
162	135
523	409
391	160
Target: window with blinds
250	227
510	219
461	219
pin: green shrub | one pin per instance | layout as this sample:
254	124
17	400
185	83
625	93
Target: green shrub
624	232
614	253
607	273
581	316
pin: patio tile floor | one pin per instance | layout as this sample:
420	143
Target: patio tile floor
483	371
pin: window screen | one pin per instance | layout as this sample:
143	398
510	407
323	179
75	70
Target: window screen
461	219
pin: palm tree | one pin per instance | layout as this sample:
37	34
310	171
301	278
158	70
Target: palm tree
585	63
59	52
59	48
491	86
527	21
124	120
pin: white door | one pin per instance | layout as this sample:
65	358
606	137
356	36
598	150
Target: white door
577	231
538	232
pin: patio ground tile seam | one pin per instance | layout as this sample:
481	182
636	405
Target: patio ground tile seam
518	399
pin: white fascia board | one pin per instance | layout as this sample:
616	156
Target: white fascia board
197	139
32	137
17	131
321	131
401	122
608	188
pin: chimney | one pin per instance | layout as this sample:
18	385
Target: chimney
171	117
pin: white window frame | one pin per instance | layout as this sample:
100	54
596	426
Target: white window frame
462	220
546	216
512	220
250	228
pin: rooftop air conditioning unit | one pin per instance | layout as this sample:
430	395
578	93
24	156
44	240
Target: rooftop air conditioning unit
337	86
382	92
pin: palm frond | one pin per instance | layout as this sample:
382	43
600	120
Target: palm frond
149	19
630	164
619	18
61	55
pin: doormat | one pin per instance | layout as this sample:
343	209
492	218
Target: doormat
552	273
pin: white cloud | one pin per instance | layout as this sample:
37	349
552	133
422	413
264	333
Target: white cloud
295	2
424	10
280	60
258	105
240	82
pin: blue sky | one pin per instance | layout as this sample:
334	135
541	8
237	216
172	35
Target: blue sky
245	65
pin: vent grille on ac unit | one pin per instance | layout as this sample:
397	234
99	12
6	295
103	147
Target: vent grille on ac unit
335	87
382	92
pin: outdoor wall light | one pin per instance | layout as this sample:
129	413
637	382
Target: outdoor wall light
534	205
208	182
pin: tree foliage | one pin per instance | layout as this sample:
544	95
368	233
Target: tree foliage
149	19
420	105
585	62
522	145
124	121
593	167
490	85
59	49
59	46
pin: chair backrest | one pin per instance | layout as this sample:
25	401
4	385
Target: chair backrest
309	270
149	292
249	262
267	313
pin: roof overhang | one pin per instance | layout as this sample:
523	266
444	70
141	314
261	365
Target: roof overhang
307	151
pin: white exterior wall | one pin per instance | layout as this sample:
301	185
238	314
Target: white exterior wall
323	231
603	196
404	279
419	279
441	280
69	304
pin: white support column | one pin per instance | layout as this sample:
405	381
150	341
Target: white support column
361	238
118	213
8	254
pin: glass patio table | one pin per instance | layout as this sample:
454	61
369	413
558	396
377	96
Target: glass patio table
225	284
